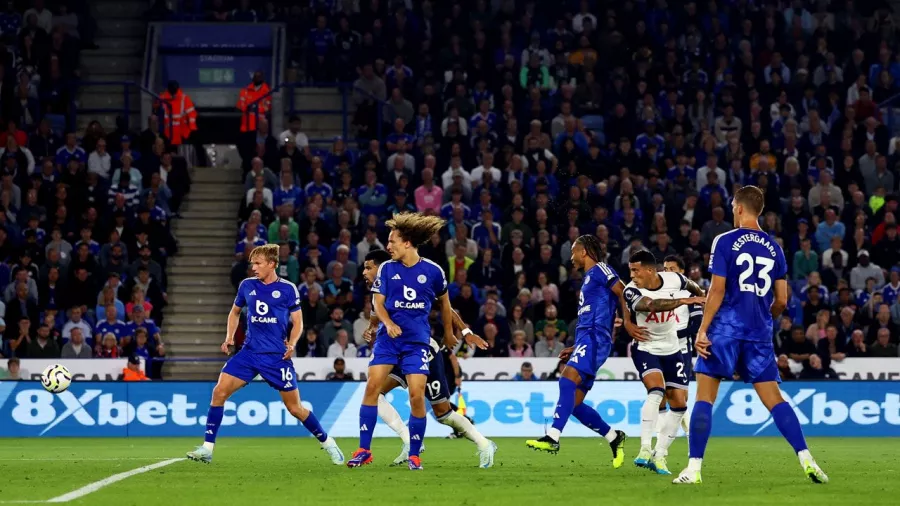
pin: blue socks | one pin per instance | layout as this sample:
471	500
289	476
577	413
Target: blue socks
701	426
786	421
315	428
213	421
368	417
589	417
416	434
564	406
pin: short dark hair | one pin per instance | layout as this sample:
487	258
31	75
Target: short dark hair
378	256
643	257
677	259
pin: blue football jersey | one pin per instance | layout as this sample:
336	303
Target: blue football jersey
750	261
597	303
269	309
409	293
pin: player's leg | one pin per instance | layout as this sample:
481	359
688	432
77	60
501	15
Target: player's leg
291	400
386	411
763	373
661	415
677	401
590	418
437	392
709	372
650	369
565	405
236	373
417	417
368	410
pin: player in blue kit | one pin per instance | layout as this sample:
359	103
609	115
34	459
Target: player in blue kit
437	390
601	291
272	304
404	289
747	293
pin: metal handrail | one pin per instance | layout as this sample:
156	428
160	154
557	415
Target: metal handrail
125	110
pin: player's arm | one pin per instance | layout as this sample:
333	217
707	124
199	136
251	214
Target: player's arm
694	288
378	303
467	334
296	329
646	304
369	333
637	333
781	297
234	319
713	302
447	318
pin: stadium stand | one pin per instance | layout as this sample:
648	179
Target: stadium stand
524	124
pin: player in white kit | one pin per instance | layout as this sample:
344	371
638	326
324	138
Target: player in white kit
653	299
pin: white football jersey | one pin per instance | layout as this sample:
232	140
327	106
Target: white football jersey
662	327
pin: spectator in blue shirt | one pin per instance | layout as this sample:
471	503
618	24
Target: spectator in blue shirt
319	186
287	192
644	140
829	228
526	373
392	142
111	323
712	185
71	151
373	195
486	233
401	203
139	320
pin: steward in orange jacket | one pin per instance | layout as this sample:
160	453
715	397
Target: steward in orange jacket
253	92
183	119
133	372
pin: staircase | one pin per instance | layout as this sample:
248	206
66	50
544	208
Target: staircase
200	291
323	118
121	33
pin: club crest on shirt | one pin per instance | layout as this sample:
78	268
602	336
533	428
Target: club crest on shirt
587	279
421	279
276	294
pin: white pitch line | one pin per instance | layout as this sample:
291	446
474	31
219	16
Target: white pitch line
97	485
83	459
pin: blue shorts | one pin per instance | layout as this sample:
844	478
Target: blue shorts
754	361
675	373
436	388
688	360
412	358
278	372
587	358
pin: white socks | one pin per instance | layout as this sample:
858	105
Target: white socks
391	417
649	416
805	456
209	446
661	421
554	434
462	425
670	423
695	464
611	435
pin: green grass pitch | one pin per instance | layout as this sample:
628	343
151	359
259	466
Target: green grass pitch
258	471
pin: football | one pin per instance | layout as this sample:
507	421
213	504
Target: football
56	378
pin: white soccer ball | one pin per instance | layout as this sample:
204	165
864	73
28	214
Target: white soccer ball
56	378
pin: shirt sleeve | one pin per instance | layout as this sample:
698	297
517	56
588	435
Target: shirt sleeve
240	300
609	274
632	296
718	263
780	263
377	285
440	281
295	299
682	279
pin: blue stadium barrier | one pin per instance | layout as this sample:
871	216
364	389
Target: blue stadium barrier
516	409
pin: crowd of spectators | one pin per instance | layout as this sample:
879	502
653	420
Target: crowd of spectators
84	222
528	123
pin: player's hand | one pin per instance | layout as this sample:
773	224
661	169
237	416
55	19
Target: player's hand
566	353
639	334
369	334
476	340
288	350
618	322
228	342
701	344
393	329
695	300
451	340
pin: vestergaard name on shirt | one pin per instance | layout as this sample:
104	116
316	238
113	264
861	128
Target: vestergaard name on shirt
753	238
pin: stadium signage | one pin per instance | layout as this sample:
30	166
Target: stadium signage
616	368
82	369
515	409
